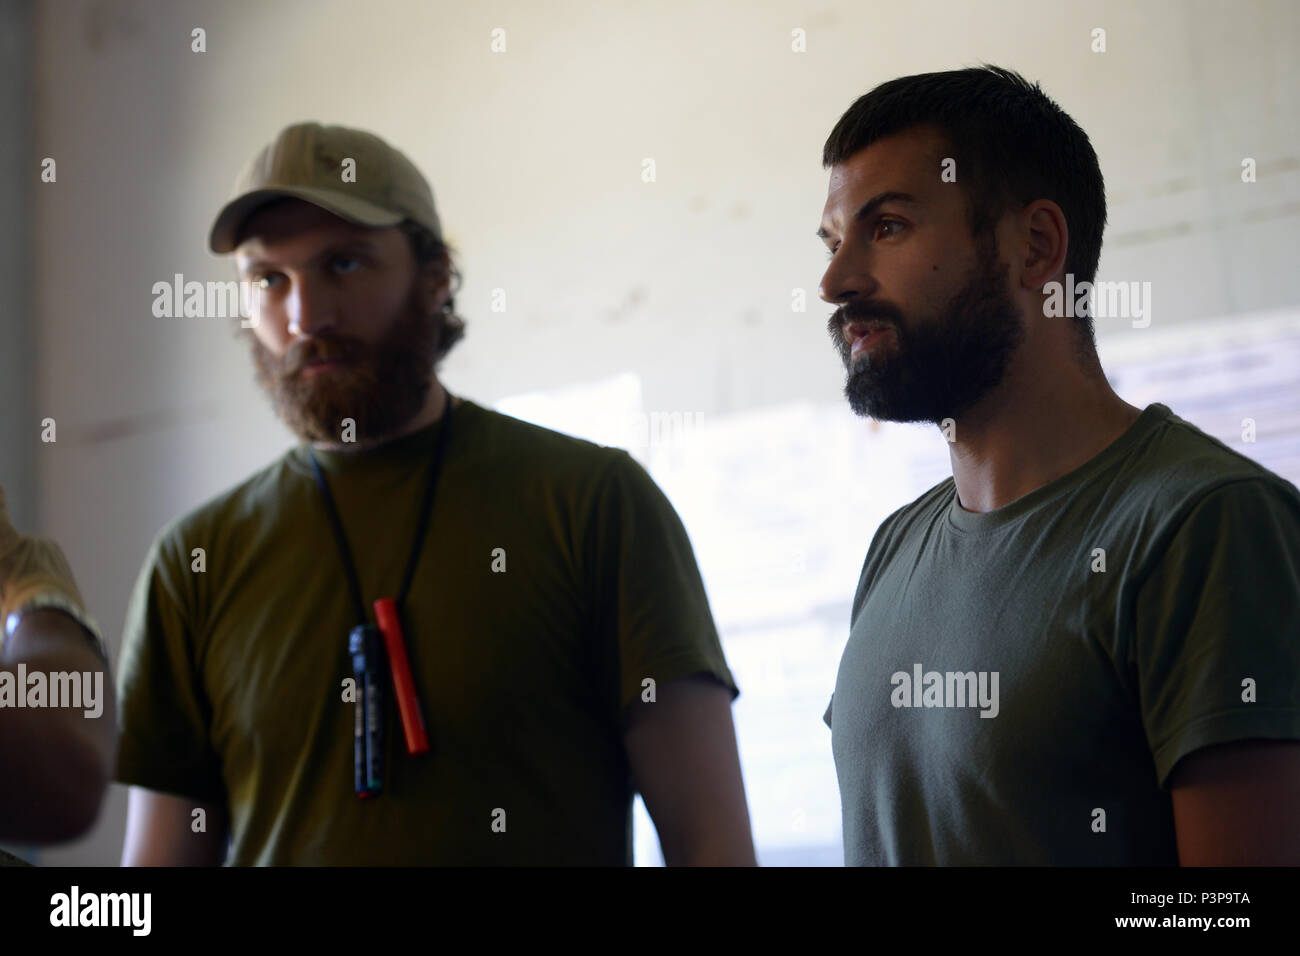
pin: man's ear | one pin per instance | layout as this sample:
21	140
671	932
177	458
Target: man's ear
1045	239
437	273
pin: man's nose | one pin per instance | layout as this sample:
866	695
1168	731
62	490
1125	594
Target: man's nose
845	278
309	308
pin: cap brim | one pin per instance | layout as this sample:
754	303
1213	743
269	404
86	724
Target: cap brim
225	230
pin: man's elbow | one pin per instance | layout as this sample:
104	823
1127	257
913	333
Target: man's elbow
66	803
728	857
730	850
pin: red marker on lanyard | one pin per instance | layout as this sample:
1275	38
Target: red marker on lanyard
408	701
368	737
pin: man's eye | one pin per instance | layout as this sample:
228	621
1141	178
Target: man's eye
887	222
831	255
344	264
266	280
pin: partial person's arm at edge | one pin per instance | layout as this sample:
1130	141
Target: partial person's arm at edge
161	830
1235	804
684	759
55	762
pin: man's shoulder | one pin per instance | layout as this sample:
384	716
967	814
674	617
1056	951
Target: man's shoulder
1172	467
501	445
249	502
536	450
1177	466
921	510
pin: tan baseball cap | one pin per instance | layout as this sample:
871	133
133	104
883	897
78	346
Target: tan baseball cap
305	161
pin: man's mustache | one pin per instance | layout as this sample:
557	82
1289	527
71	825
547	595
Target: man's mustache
859	312
300	354
865	312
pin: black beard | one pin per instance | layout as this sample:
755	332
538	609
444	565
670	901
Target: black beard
382	389
937	367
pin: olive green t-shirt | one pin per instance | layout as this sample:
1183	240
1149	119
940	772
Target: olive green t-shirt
555	578
1018	685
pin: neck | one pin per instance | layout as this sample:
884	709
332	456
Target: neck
1044	420
435	404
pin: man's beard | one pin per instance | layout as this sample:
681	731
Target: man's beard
937	367
381	389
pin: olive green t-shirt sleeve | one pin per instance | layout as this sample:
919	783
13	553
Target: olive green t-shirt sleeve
1217	629
164	743
877	539
650	598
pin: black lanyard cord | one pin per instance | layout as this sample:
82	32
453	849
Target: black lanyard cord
421	528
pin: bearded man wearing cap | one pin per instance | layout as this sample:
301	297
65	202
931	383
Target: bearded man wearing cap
430	633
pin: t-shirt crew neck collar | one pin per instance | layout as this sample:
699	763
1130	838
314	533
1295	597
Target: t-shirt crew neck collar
399	452
1135	434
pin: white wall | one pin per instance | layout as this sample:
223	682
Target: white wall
17	441
535	160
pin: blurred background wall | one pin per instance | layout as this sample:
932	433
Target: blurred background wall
679	289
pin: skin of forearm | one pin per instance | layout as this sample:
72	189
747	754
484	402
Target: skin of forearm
56	762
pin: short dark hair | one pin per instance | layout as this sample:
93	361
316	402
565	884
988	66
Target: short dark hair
429	248
1012	145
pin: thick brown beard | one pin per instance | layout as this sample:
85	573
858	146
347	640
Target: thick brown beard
383	388
944	364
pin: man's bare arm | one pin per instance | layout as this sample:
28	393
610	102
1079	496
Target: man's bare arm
1235	804
160	831
55	761
682	750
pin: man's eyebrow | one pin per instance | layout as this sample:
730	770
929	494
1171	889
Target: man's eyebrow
874	203
350	244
